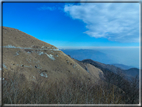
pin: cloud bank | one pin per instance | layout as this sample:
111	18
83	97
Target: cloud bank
114	21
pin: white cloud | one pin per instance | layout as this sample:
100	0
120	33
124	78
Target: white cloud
114	21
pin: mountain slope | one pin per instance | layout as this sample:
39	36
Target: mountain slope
35	72
33	58
17	38
92	70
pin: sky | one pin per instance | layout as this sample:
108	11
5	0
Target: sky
76	24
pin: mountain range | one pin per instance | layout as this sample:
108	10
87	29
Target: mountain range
118	57
32	68
122	66
81	54
132	72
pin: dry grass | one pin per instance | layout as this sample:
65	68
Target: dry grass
17	90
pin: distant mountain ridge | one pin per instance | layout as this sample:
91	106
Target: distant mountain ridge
132	72
110	56
81	54
122	66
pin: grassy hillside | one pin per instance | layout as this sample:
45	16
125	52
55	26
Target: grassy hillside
33	58
35	72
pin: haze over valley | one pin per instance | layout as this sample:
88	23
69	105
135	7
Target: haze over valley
125	56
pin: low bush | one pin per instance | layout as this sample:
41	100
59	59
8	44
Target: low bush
17	90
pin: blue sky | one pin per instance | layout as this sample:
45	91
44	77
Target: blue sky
76	24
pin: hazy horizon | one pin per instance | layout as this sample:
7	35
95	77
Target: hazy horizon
94	47
125	56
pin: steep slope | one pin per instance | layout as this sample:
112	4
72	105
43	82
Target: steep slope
92	70
33	58
17	38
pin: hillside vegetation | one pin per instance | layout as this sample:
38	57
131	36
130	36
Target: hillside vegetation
35	72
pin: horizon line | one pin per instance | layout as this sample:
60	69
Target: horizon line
94	47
